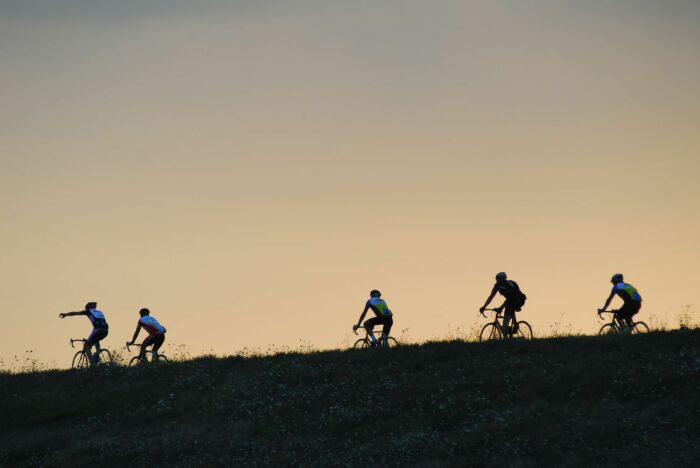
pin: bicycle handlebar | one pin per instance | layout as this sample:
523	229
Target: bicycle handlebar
76	339
129	344
498	311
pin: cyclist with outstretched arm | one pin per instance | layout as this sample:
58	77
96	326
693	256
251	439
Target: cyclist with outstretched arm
382	316
515	299
156	334
631	298
100	329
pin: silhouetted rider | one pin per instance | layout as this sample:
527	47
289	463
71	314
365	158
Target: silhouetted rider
100	329
629	295
382	316
515	299
156	334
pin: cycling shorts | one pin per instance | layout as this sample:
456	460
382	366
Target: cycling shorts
97	335
156	340
511	307
385	320
629	309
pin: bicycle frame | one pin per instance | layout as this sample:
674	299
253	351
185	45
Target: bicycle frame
499	315
367	332
614	318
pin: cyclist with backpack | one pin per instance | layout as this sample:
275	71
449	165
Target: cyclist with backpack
382	316
515	300
100	329
156	334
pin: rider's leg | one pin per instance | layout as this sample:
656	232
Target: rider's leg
157	343
508	317
388	322
87	349
144	345
91	341
369	325
625	318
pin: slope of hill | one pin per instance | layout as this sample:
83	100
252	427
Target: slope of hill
561	401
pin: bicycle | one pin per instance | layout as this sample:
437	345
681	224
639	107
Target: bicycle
495	331
614	328
366	342
81	361
137	359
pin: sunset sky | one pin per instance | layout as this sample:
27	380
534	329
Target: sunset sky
250	170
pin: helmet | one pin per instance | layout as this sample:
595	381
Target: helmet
501	276
91	305
144	311
617	278
375	293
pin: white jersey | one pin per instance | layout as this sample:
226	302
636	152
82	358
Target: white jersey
151	325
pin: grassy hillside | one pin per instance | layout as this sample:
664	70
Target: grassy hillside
561	401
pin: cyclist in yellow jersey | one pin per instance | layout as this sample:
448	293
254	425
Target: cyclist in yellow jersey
631	298
382	316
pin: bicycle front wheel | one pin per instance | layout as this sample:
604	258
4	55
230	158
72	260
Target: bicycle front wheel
608	329
105	358
639	327
361	343
490	332
80	360
524	331
134	361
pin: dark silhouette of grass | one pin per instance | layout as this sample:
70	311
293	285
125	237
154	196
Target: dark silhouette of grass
575	401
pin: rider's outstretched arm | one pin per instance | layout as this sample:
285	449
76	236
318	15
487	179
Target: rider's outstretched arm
362	316
607	303
136	333
69	314
488	301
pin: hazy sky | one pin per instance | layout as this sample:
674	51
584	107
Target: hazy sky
250	170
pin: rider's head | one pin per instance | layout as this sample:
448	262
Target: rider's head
501	276
617	278
91	305
144	311
375	293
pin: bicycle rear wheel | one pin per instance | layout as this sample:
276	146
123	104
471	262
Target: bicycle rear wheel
80	361
361	343
162	358
391	342
639	327
524	331
608	329
490	332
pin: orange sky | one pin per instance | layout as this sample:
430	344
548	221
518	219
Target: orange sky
250	171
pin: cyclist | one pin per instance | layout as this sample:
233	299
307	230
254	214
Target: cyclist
631	298
100	329
515	299
382	316
156	334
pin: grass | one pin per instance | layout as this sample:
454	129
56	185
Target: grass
571	401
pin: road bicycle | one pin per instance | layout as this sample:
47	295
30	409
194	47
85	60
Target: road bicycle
495	330
618	327
81	361
148	355
366	342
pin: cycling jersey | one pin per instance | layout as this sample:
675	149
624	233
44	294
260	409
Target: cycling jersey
151	325
379	307
510	290
97	318
627	292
